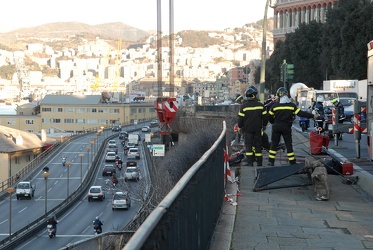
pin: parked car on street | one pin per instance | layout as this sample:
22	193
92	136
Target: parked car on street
121	200
96	193
132	173
154	122
108	170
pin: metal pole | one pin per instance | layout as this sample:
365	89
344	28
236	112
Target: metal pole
68	180
264	54
46	195
81	169
10	216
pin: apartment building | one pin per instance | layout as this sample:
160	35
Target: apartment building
75	113
289	14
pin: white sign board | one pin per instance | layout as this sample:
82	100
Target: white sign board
135	122
158	149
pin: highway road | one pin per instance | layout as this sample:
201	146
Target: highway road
77	223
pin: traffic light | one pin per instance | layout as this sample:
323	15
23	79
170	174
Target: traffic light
289	72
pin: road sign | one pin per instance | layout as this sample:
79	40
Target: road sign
158	149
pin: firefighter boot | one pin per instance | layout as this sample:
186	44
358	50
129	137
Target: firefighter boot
259	161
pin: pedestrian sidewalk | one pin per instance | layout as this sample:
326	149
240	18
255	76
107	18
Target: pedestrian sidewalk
291	217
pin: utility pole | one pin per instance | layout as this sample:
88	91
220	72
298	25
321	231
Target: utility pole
264	54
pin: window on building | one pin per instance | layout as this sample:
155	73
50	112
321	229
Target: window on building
79	110
116	111
17	160
91	121
29	122
102	121
58	120
133	111
46	120
68	120
46	109
151	110
57	110
11	122
102	110
69	110
28	158
91	110
80	121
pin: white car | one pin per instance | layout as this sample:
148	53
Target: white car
121	200
145	129
132	173
153	122
110	156
133	153
112	142
96	193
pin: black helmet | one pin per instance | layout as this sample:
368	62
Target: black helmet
251	92
281	92
238	98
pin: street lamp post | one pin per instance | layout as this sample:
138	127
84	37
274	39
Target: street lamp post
46	175
81	167
92	147
88	149
10	190
68	164
95	141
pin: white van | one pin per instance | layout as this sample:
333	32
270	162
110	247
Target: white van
133	138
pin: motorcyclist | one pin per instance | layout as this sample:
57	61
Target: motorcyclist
63	160
52	221
97	225
318	109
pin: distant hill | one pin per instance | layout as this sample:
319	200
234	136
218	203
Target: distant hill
111	31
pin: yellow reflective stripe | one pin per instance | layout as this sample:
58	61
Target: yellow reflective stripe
249	153
283	108
258	154
271	113
252	108
290	154
272	156
241	114
264	112
297	111
272	152
291	158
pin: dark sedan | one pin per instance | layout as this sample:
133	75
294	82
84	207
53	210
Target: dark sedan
108	170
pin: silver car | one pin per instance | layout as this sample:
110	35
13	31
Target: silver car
121	200
132	173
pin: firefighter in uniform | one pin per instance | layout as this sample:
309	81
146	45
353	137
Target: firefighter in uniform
251	118
341	110
281	115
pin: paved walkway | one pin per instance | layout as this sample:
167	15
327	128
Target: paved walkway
291	218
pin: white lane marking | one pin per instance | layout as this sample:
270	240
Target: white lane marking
22	210
3	221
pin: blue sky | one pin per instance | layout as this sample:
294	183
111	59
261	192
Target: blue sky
141	14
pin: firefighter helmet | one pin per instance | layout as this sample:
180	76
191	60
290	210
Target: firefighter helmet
281	92
239	98
252	91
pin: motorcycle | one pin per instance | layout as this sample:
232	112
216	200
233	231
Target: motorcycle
97	228
63	161
304	123
120	164
51	231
